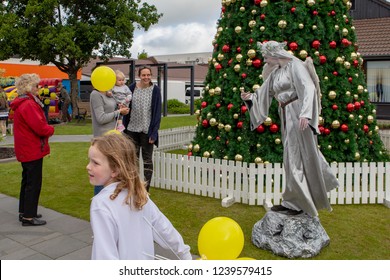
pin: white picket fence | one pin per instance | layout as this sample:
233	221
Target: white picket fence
257	184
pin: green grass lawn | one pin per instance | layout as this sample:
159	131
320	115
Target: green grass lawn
356	232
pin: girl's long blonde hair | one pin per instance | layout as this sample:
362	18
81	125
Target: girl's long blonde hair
122	157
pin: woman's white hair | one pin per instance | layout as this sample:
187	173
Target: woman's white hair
26	82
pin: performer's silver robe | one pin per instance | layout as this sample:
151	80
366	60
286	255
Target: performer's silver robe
308	175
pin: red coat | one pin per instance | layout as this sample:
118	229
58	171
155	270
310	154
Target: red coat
31	131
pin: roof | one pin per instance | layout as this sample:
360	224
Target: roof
373	36
200	70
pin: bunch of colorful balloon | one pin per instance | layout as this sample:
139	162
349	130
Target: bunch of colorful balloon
221	238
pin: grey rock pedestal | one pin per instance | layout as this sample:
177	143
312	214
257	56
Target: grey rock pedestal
299	236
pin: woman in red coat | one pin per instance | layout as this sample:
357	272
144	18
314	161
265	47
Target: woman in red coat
31	140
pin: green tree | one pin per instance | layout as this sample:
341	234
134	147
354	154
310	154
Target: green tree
142	55
321	29
69	33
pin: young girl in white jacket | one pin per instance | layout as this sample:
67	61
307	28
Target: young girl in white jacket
125	222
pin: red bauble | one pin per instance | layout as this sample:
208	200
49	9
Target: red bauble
238	49
350	79
205	123
322	59
226	48
334	107
344	128
256	63
333	45
293	46
240	124
346	20
332	13
335	73
243	75
321	129
345	42
203	104
362	103
217	138
274	128
292	9
326	131
223	9
260	129
316	44
230	61
251	41
357	105
244	109
218	67
356	63
262	16
227	142
365	128
350	107
257	2
229	106
218	105
315	12
371	142
189	154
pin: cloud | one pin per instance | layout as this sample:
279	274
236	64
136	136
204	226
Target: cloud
187	26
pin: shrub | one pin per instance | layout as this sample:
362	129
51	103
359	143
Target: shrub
177	107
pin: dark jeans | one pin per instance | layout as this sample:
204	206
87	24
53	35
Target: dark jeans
141	141
46	111
30	188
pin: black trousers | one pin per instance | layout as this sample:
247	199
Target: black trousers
141	141
30	187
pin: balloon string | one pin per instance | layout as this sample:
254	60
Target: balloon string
158	234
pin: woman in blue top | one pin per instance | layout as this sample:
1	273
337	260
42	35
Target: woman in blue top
143	122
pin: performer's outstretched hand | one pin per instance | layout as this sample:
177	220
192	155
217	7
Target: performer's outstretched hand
246	96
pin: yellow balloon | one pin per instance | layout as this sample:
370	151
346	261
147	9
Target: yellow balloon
221	238
46	101
103	78
246	258
53	96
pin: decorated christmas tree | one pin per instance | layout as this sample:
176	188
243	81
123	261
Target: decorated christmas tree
321	29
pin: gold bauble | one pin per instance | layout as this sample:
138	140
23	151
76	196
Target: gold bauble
345	31
353	55
252	23
237	67
220	29
197	112
196	148
282	23
220	57
370	133
360	117
376	129
329	147
228	127
190	146
254	12
221	126
238	157
248	62
251	53
351	116
217	90
262	28
234	89
360	88
347	65
258	145
209	137
268	121
370	119
314	27
242	9
331	1
320	120
301	26
211	92
258	160
335	124
355	97
357	156
317	53
346	141
336	27
239	57
255	87
303	54
206	154
263	3
332	94
239	138
237	29
225	157
373	111
224	75
326	78
339	60
209	116
235	116
213	122
311	2
348	93
278	141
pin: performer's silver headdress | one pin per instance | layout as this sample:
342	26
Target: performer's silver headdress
274	49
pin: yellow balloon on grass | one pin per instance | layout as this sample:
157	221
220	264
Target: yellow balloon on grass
103	78
221	238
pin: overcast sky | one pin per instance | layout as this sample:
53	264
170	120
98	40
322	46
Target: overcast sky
187	26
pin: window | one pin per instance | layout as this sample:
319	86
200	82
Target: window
378	81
